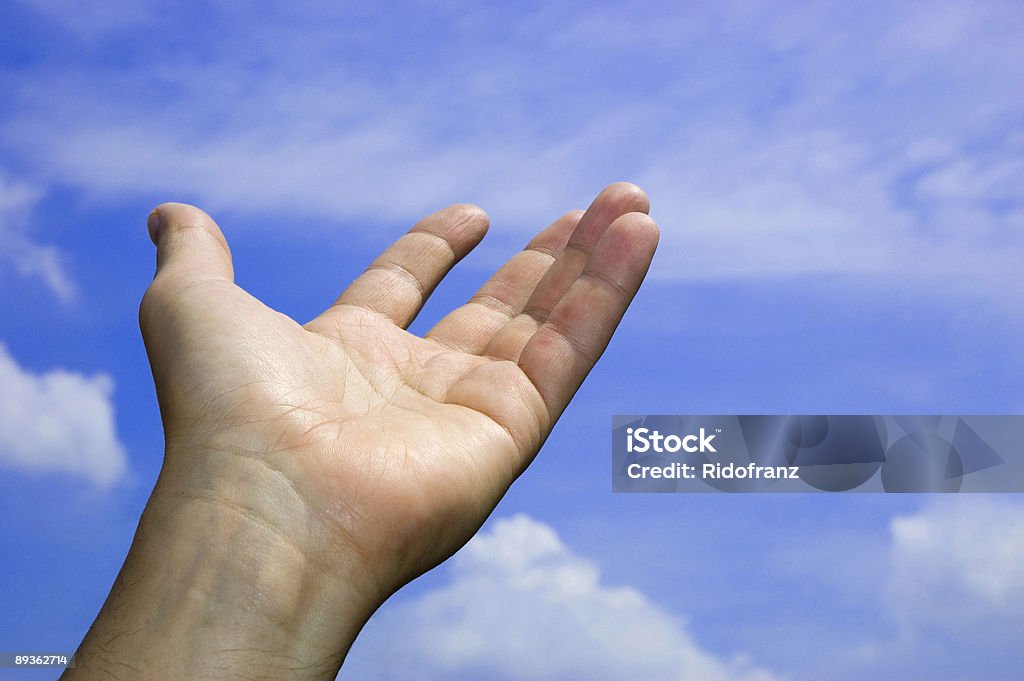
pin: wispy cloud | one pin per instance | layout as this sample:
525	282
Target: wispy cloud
522	605
94	20
821	139
58	421
21	252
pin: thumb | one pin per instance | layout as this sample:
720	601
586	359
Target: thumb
190	249
189	244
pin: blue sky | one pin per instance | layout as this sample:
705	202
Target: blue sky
840	191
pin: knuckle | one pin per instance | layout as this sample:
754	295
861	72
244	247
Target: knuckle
157	301
148	308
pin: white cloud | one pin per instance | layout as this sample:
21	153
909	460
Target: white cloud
18	249
959	564
58	422
522	605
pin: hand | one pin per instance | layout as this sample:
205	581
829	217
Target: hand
311	470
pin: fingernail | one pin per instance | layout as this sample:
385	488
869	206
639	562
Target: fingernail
153	225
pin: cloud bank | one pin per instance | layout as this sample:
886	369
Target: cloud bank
522	605
959	565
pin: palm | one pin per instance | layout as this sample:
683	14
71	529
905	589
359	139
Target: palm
398	444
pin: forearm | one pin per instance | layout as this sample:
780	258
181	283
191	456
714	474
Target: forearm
211	589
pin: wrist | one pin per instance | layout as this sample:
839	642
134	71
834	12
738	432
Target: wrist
231	575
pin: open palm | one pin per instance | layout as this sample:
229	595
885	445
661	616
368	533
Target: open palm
349	434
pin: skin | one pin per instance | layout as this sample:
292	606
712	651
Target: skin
312	470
